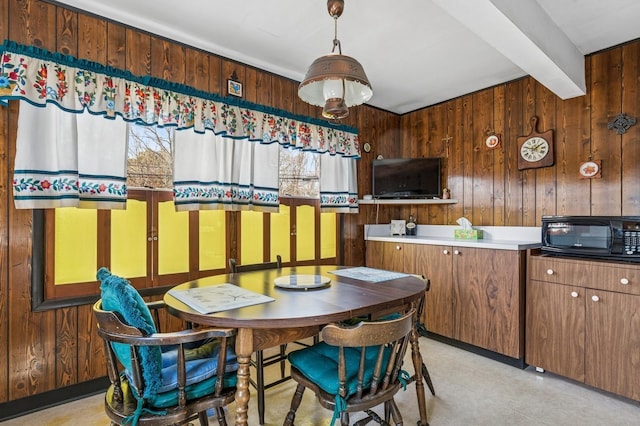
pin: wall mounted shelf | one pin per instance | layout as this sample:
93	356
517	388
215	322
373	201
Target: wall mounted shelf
412	201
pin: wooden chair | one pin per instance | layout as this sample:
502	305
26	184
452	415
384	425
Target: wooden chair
166	378
260	361
355	368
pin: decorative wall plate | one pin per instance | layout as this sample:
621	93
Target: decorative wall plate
366	147
492	141
590	169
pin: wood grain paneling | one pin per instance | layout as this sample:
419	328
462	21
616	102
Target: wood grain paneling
4	224
46	350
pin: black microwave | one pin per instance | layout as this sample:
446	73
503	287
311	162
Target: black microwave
605	237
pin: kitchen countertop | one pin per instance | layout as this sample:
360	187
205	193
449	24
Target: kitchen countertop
495	237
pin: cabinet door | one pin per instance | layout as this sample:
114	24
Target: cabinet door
391	256
488	290
613	342
435	263
555	327
375	254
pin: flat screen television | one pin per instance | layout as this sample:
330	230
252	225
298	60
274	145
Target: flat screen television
406	178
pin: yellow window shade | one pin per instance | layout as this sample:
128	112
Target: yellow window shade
327	235
129	240
212	240
76	253
173	239
251	237
280	241
305	233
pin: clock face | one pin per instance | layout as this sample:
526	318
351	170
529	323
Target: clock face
534	149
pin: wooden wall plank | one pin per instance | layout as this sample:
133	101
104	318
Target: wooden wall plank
573	145
167	60
498	157
137	52
5	199
116	42
66	319
466	197
455	159
630	155
197	69
546	176
606	101
31	334
92	39
482	168
513	178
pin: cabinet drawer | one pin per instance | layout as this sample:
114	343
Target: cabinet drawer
622	278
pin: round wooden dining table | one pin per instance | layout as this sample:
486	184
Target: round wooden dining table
300	312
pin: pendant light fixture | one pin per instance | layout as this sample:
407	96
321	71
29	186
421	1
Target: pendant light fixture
335	81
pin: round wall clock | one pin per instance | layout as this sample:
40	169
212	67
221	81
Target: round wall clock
535	149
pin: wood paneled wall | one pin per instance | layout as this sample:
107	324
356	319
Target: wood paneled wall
42	351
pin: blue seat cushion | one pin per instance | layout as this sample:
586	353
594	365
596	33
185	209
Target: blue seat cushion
119	296
319	363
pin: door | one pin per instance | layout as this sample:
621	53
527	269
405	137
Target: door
435	263
555	324
612	354
489	299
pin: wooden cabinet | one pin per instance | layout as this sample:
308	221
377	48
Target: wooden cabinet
488	292
398	257
583	322
476	294
436	263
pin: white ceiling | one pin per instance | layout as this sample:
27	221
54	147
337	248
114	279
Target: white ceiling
416	53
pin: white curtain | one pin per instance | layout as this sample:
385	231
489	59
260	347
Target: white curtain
65	159
338	184
213	172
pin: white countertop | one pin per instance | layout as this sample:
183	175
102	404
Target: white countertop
495	237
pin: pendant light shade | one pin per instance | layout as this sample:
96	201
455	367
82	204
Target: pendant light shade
335	81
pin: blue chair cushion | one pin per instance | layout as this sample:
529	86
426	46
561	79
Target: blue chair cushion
118	295
319	363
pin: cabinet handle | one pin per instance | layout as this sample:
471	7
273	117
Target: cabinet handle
624	281
456	252
445	251
575	294
398	247
595	298
549	271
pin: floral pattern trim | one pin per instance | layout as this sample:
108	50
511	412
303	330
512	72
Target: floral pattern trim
76	88
189	195
339	202
32	190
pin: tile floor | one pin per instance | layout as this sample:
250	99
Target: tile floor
470	390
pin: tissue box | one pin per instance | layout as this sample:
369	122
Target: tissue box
467	234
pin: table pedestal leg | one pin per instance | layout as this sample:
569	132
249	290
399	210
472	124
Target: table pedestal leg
244	348
416	357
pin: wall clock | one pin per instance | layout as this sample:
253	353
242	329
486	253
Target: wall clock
535	149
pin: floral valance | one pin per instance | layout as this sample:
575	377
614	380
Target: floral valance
75	85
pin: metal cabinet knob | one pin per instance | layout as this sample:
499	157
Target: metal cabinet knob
595	298
624	281
574	294
549	271
398	248
456	252
445	251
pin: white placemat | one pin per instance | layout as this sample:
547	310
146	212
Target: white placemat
217	298
369	274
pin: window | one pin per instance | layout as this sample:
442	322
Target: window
154	246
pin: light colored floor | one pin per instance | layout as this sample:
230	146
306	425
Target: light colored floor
470	390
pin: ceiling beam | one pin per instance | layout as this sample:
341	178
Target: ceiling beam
524	33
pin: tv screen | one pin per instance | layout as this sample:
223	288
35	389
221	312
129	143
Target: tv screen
406	178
